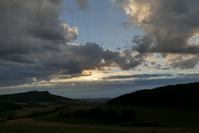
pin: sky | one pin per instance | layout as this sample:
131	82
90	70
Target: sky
97	48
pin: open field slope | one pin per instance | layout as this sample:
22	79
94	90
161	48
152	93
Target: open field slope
169	120
125	116
182	95
32	126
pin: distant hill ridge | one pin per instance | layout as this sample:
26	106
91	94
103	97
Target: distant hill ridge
181	95
33	96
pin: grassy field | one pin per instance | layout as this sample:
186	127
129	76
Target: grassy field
17	114
153	116
150	119
61	129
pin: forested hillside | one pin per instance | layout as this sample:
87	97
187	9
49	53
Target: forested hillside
181	95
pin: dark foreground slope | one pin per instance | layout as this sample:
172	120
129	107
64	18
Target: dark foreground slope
182	95
33	96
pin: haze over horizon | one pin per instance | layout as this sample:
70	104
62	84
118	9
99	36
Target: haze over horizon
97	48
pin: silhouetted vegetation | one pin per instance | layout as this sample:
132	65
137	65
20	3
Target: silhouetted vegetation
109	115
182	95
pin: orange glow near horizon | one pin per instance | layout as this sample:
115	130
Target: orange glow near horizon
87	76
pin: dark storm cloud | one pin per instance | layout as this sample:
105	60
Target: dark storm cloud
183	62
29	30
189	76
76	58
168	26
32	26
140	76
73	59
36	45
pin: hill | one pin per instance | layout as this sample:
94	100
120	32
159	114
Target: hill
42	101
33	96
181	95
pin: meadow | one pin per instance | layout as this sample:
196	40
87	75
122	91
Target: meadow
76	120
23	128
139	116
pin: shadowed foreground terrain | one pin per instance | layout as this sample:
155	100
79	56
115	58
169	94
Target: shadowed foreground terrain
32	126
145	111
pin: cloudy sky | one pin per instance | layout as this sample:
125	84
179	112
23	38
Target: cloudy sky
97	48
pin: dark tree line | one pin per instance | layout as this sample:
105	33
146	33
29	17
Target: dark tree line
182	95
110	115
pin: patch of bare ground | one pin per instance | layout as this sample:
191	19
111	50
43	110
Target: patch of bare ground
30	121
